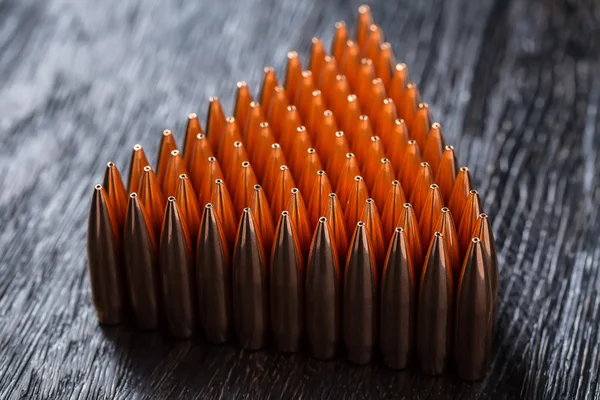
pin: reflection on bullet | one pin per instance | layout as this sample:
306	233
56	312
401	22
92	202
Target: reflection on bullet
318	197
215	123
213	277
398	304
474	311
421	188
177	274
136	168
408	221
103	250
293	76
360	298
192	130
468	221
435	305
141	265
167	145
151	198
323	295
268	87
299	216
337	226
262	217
392	209
249	288
242	105
434	147
116	195
488	245
460	193
224	210
445	225
446	174
286	287
188	206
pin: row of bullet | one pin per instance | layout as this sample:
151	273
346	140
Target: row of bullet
234	245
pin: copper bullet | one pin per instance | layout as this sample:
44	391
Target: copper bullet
299	146
375	97
304	94
318	197
231	135
460	192
364	78
151	198
431	213
167	145
188	206
104	260
468	221
396	144
249	286
383	179
361	140
285	183
474	310
446	174
385	117
421	188
410	102
277	110
373	156
374	41
337	226
223	208
275	159
350	63
411	161
290	123
251	131
308	172
421	125
434	147
317	57
244	187
326	81
268	87
323	294
356	201
392	209
397	85
286	280
338	44
315	114
365	20
213	172
345	181
242	105
192	130
435	305
398	304
338	150
293	76
213	278
408	221
445	225
198	164
141	265
136	168
488	244
339	97
116	194
262	217
360	298
351	118
215	123
325	134
175	167
177	273
370	216
384	64
263	146
297	210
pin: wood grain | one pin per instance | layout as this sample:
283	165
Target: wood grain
515	83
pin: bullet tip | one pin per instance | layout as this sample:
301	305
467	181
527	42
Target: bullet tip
137	147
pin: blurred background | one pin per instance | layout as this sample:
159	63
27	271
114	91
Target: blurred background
515	83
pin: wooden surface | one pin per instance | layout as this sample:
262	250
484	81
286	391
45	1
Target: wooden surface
516	85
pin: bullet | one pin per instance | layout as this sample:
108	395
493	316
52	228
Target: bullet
293	76
350	63
349	118
384	65
396	145
338	150
374	155
360	298
289	129
382	182
213	172
277	110
304	94
362	139
337	226
177	274
136	168
327	80
188	206
408	221
421	188
435	305
268	87
215	123
262	217
198	164
409	105
263	145
397	86
411	161
460	193
104	260
116	195
251	131
274	161
445	225
285	183
434	147
325	134
167	145
231	135
338	44
213	277
372	221
365	75
375	97
384	118
392	209
297	210
421	125
356	200
474	311
398	304
365	20
249	288
308	173
446	174
286	287
175	167
373	44
317	57
223	208
242	105
151	199
244	185
318	197
488	245
141	265
339	97
323	295
192	130
468	221
299	146
432	212
315	114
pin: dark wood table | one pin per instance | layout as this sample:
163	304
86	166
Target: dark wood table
516	85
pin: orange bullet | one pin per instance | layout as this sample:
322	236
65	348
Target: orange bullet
215	123
373	156
167	145
304	94
231	134
370	216
339	97
460	193
345	181
384	65
364	79
350	117
356	200
242	105
293	76
317	57
268	87
275	160
411	162
315	114
327	80
151	198
262	215
410	101
432	212
397	85
175	167
362	137
383	179
395	144
445	225
285	183
446	174
237	155
192	130
198	165
365	20
337	225
338	44
188	206
136	167
244	187
338	148
116	193
421	188
325	134
213	172
410	224
434	147
277	110
392	209
488	243
308	173
421	125
252	128
224	210
350	63
318	197
290	123
385	120
298	148
297	208
262	147
374	41
375	97
468	221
